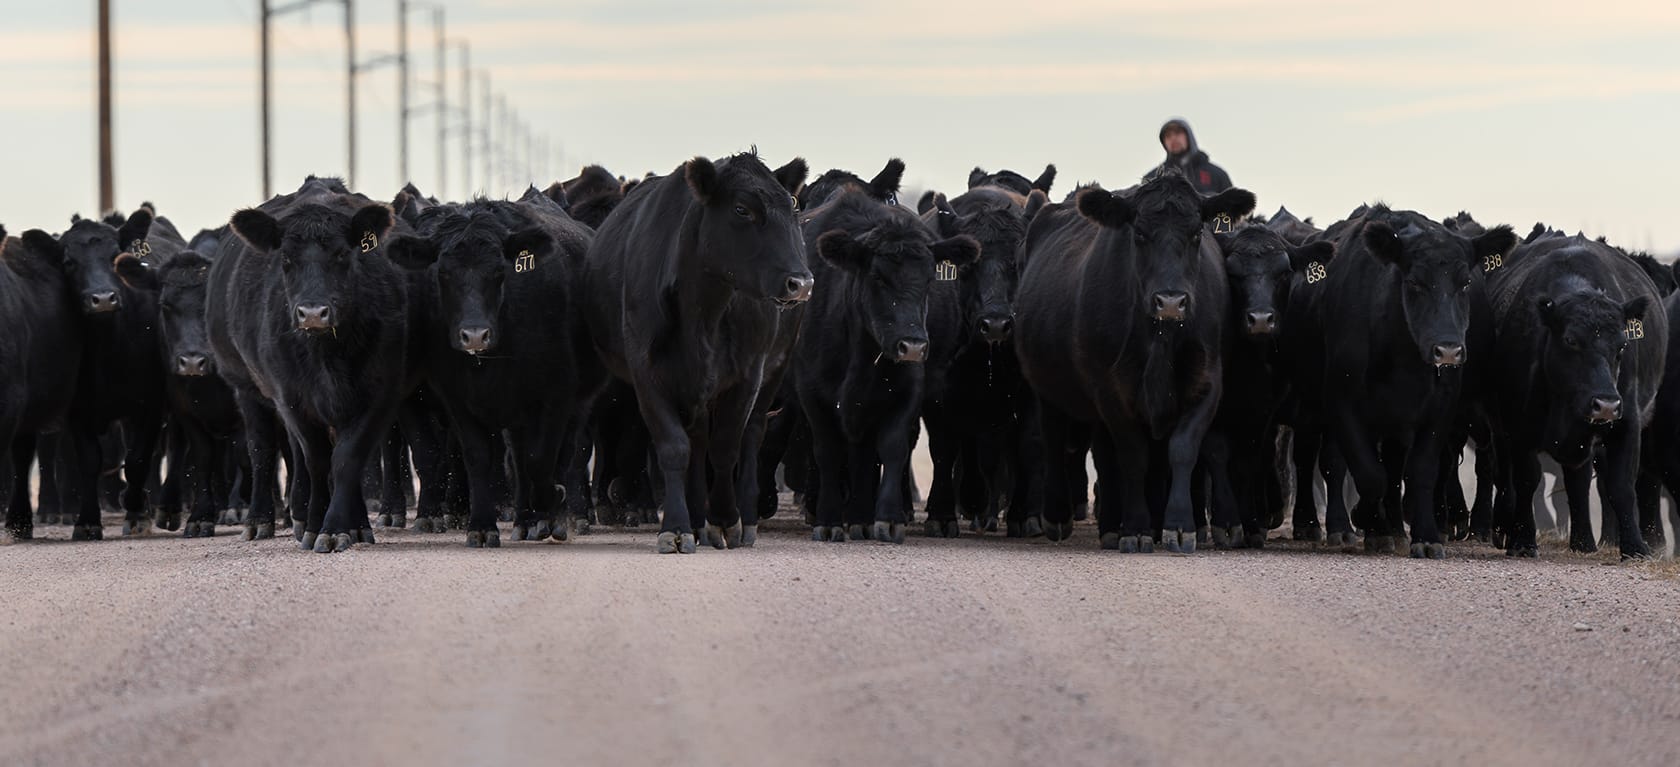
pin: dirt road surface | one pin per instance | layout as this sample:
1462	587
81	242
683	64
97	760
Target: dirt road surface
418	651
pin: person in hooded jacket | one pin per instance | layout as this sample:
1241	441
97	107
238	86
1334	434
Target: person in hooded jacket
1183	154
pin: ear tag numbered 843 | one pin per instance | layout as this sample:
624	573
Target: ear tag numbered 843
1635	330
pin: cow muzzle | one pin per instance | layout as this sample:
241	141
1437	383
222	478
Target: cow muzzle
314	318
1262	323
1448	355
474	340
101	302
192	365
1605	411
996	330
796	290
1171	306
910	350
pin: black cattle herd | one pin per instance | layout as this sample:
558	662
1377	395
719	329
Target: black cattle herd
674	349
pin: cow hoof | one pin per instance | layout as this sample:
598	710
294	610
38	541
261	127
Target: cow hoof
306	540
1379	544
169	519
14	534
888	532
506	514
393	520
1274	519
362	535
1081	512
523	532
1128	544
454	521
429	525
1058	531
732	536
857	532
943	528
1347	541
989	525
332	543
1309	534
749	536
836	534
579	525
711	535
45	517
484	539
1178	542
546	529
1205	535
1111	542
257	531
809	516
1031	527
87	533
1582	544
140	526
675	543
204	529
1428	551
1526	551
1254	541
1221	538
1635	551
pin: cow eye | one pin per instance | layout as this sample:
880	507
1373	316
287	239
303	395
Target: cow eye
1571	342
741	210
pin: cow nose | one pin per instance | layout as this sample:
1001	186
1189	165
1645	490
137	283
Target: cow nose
1448	355
798	288
475	340
1171	305
1606	409
911	350
996	329
192	365
1261	323
103	301
314	317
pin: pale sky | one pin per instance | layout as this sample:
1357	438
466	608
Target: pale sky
1563	112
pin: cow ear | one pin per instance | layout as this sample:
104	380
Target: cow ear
885	184
792	175
368	226
976	176
1635	308
1302	256
946	218
1105	208
134	273
139	223
961	250
1383	242
1235	203
257	229
2	233
411	252
1549	314
925	202
43	245
840	248
1035	203
1497	241
702	178
534	241
1045	179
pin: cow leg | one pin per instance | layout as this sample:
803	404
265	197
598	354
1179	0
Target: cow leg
1524	473
87	459
393	500
1359	451
830	453
1124	521
1423	470
748	484
140	440
262	440
892	448
726	425
197	469
1217	462
1057	508
973	477
1305	518
20	452
1619	464
346	517
946	450
1481	512
167	510
1577	483
672	447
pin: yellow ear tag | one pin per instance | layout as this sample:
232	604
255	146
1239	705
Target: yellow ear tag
1222	224
369	241
1635	330
524	262
944	271
1315	272
1492	262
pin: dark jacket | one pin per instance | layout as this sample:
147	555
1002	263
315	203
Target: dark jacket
1206	177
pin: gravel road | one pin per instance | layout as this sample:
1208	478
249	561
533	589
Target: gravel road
418	651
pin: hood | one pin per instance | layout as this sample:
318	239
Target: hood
1189	135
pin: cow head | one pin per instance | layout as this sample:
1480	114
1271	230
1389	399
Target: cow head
1586	333
1261	265
1012	181
883	187
987	287
321	251
1435	267
747	233
1162	225
181	301
89	253
895	262
475	255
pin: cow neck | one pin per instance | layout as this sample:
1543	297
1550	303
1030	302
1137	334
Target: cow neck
701	297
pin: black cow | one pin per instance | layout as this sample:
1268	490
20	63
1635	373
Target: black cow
308	321
1119	323
1395	318
202	410
1012	181
501	341
1660	466
861	353
883	187
1295	231
589	197
1263	269
681	292
1581	350
974	393
1663	276
41	354
121	376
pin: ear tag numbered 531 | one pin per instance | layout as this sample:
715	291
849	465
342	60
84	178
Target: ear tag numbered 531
524	262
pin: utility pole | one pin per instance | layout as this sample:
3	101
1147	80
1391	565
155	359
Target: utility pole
350	92
402	92
466	123
442	105
107	196
485	146
267	13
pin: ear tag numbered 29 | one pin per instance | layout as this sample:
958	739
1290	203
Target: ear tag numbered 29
1222	224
